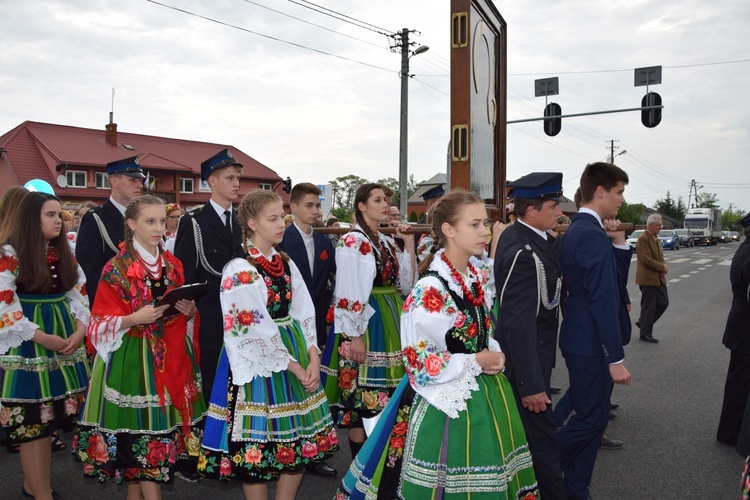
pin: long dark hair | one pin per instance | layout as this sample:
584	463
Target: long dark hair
361	196
447	209
10	202
31	250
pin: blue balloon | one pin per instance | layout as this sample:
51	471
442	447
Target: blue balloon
40	186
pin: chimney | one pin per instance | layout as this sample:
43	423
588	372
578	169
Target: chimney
111	131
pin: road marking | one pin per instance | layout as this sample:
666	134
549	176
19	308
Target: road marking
675	280
725	263
677	261
703	261
694	272
701	269
685	276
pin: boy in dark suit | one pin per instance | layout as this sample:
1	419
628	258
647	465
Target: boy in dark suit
313	253
208	238
102	228
590	337
529	286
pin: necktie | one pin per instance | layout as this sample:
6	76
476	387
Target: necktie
228	220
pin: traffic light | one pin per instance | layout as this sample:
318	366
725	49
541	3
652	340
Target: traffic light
287	185
552	127
651	117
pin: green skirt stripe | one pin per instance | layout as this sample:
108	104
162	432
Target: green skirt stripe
491	459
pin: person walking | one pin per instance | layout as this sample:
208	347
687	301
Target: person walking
208	238
102	228
737	340
590	336
44	314
650	276
529	287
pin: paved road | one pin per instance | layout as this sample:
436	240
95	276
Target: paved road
667	417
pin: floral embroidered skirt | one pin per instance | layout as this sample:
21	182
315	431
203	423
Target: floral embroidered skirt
362	391
41	390
416	451
123	431
268	426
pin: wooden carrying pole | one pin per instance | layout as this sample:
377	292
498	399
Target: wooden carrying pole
426	228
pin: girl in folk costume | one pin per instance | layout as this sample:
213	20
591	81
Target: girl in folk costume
268	416
43	318
461	435
145	399
362	364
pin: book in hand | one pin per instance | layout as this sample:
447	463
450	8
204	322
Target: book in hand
187	292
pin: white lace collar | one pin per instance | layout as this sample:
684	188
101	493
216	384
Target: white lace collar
444	271
152	262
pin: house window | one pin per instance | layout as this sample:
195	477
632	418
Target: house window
265	185
102	180
76	178
186	185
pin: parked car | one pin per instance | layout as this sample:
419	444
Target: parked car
735	235
686	238
634	237
669	239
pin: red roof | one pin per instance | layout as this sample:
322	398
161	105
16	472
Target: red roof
33	150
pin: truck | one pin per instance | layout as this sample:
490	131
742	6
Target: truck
705	224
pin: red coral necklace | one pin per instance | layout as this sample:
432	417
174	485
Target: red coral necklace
273	267
476	301
52	255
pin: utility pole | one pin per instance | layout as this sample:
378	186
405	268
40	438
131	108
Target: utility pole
612	150
403	173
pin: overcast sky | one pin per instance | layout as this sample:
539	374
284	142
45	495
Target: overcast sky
315	117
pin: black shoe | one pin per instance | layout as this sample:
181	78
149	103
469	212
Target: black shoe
614	406
321	469
24	493
190	477
638	324
612	416
611	444
555	390
650	340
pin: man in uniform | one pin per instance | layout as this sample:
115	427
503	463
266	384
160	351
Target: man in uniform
527	276
313	254
737	339
430	197
208	238
102	228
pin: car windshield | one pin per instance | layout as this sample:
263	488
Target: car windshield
696	223
636	234
666	233
681	232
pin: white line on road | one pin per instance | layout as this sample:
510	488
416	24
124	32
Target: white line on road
725	263
685	276
694	272
675	280
677	261
703	261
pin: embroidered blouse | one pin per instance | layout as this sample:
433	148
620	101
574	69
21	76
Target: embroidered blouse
441	332
251	300
359	268
15	328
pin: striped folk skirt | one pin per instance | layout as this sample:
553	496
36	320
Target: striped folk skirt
416	451
123	431
41	390
363	390
268	426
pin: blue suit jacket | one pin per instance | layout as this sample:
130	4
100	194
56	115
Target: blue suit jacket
324	268
591	311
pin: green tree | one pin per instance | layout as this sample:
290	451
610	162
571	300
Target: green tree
707	200
343	191
631	212
668	207
729	219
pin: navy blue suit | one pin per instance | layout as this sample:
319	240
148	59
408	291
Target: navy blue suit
92	252
219	248
527	333
324	268
590	339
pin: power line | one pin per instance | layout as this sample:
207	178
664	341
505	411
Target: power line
294	44
313	24
629	69
342	17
